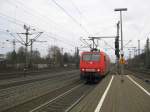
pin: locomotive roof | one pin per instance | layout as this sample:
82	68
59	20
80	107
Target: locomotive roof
92	52
89	52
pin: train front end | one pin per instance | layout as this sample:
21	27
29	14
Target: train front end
91	66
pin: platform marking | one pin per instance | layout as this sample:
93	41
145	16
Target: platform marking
103	97
139	85
46	103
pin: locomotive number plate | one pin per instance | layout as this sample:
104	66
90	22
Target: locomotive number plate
90	70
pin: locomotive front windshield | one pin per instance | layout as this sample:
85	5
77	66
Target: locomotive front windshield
91	57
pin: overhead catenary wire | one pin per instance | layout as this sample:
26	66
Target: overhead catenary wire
38	15
78	10
21	38
21	23
62	41
107	44
16	38
13	19
29	12
41	16
85	42
32	25
19	2
36	37
82	16
69	15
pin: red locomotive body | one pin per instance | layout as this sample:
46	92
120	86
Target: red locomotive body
93	65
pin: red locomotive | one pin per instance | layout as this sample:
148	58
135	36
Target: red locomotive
93	65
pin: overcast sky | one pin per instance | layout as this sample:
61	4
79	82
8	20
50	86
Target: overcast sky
65	24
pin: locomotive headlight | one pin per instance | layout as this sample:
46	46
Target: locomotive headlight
98	70
82	69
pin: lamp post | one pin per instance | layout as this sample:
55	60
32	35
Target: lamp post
121	51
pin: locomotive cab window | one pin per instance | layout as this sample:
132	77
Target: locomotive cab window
104	58
91	57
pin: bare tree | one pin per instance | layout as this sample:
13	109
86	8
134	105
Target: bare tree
54	55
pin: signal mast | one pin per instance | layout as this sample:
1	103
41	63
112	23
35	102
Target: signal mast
94	45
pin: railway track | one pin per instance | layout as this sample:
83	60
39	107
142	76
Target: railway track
49	97
18	83
19	74
24	74
19	94
59	100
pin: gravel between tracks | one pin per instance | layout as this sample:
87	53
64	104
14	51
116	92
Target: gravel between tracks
15	95
62	103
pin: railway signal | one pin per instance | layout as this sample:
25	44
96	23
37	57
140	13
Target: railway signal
121	51
122	61
117	42
117	47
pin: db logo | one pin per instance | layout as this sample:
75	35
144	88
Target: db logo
91	62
